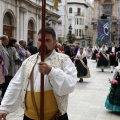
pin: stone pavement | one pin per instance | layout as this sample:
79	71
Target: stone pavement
88	99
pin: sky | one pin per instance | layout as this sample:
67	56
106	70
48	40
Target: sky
91	0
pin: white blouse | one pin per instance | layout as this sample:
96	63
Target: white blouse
61	81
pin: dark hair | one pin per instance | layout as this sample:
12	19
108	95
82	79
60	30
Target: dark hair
30	43
49	30
11	41
113	42
4	37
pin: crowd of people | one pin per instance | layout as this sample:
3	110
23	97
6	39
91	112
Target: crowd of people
11	57
60	77
106	57
21	65
109	57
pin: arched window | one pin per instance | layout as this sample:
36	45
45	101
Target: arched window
30	25
7	19
70	10
7	25
30	30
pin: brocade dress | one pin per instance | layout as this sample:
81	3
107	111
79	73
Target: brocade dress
113	99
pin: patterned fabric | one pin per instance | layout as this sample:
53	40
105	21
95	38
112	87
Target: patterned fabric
58	61
113	98
102	61
114	95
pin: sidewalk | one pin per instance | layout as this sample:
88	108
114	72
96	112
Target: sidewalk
87	101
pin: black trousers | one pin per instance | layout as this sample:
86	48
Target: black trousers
5	85
63	117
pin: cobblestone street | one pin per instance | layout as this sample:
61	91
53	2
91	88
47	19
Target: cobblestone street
88	99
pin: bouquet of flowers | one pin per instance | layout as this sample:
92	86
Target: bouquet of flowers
97	55
113	81
112	54
76	58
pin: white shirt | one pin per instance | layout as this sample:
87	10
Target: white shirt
61	81
113	49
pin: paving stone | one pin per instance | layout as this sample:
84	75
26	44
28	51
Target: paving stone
88	99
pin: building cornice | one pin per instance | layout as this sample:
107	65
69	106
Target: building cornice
39	6
78	3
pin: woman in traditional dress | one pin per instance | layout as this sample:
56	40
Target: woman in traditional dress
103	60
113	99
95	50
81	65
112	56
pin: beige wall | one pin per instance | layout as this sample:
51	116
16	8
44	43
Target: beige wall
21	17
98	12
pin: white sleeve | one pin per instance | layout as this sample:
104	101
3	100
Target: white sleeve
78	53
100	50
12	98
63	81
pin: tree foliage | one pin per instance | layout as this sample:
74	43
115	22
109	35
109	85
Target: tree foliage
71	38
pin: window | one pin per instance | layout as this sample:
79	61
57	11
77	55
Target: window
78	11
77	21
79	32
80	21
30	25
30	31
107	9
8	25
7	19
75	32
83	21
60	22
70	10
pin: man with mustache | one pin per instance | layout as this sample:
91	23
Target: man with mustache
60	78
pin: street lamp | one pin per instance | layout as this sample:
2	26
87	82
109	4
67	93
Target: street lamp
70	31
70	26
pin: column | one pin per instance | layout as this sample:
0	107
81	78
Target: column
22	23
17	23
1	19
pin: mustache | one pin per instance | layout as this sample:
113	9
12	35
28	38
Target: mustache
47	51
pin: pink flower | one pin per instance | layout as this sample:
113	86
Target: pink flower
98	55
113	81
76	58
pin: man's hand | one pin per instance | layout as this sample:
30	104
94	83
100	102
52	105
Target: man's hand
44	68
3	116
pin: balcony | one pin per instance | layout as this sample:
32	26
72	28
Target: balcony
79	14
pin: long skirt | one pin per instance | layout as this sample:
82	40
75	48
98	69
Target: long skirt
102	61
113	98
113	61
94	55
81	70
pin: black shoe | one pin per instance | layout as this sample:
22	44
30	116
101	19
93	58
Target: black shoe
102	70
81	80
111	71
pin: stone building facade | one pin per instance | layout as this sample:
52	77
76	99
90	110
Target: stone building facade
80	12
111	9
21	19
